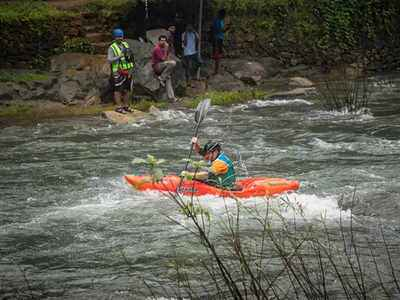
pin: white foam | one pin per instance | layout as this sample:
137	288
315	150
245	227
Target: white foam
325	145
279	102
302	206
165	115
344	115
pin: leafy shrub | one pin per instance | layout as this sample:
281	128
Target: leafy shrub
77	44
29	10
109	5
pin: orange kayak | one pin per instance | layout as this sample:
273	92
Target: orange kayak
248	187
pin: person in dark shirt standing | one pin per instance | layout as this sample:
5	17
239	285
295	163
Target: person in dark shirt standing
171	39
218	32
163	66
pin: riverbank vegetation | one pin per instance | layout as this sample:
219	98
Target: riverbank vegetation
30	32
22	76
29	111
317	32
226	98
34	111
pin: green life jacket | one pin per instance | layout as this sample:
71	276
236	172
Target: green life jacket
123	63
226	180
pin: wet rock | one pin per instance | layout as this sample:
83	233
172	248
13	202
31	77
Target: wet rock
128	118
225	82
141	50
300	82
250	72
271	66
298	92
153	35
154	111
68	91
77	61
7	91
93	97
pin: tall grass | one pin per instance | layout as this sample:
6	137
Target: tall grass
345	94
280	258
273	251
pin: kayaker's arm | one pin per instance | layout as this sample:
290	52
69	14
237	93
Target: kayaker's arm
199	175
196	145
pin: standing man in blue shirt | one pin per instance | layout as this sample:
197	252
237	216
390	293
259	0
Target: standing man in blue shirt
218	30
190	46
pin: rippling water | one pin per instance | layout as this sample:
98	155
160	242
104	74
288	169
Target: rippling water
69	223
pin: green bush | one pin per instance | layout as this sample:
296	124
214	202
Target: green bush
30	31
109	5
29	10
318	31
77	44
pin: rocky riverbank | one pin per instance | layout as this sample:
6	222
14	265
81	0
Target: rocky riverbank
78	83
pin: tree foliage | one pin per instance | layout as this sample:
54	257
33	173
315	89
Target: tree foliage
327	29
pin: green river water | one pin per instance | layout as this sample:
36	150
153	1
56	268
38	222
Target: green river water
71	228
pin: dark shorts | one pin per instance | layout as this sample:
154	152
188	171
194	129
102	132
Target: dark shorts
120	83
218	45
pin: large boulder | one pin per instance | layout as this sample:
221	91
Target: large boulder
153	35
271	65
80	74
250	72
225	82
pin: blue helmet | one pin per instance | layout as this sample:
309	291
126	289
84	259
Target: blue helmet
118	33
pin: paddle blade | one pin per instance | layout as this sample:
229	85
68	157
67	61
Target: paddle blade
201	110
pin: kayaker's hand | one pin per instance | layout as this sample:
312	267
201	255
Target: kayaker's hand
195	140
187	175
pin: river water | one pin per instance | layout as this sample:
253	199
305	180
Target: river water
71	228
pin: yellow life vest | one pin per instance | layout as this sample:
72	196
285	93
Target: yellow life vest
122	63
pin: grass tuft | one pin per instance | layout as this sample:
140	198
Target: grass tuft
226	98
14	76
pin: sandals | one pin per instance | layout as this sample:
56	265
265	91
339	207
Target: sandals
121	110
127	109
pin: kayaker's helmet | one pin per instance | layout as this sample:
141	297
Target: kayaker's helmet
118	33
209	147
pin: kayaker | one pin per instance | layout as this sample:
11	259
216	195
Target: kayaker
121	60
221	173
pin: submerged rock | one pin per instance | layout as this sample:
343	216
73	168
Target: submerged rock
300	82
128	118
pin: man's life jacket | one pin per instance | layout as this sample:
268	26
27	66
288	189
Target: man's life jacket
226	180
126	61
